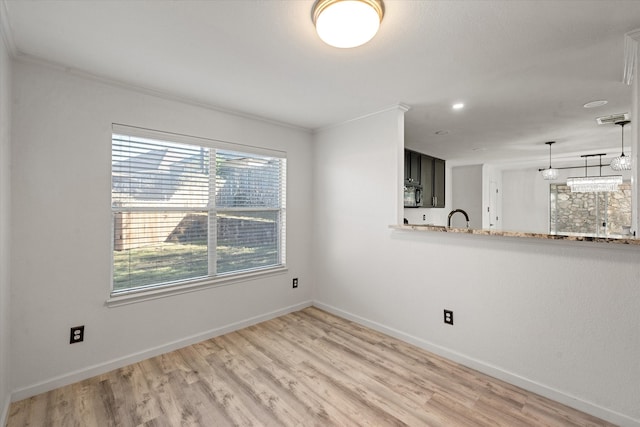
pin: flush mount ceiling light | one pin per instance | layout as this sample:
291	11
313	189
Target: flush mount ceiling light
347	23
458	106
550	174
594	184
622	162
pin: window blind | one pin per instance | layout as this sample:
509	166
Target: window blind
248	211
183	212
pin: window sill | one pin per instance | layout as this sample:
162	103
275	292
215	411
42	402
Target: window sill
167	291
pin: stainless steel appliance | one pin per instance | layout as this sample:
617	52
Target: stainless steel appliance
412	195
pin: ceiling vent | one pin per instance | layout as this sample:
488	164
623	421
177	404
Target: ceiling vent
612	119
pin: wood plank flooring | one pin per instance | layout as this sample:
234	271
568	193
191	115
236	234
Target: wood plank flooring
308	368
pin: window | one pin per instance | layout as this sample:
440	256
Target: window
186	209
603	214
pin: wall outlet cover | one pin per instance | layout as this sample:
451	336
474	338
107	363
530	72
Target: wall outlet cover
76	335
448	317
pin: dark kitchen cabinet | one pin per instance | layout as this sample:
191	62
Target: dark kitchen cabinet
433	181
412	167
428	172
438	182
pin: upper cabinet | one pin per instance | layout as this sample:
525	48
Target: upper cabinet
412	167
433	183
429	172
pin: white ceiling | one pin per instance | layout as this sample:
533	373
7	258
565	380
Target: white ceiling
524	69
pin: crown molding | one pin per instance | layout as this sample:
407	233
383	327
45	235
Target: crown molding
6	34
395	107
35	60
631	43
30	59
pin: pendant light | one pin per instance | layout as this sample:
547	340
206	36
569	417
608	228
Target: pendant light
347	23
622	162
550	174
594	184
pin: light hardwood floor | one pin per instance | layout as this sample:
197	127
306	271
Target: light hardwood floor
308	368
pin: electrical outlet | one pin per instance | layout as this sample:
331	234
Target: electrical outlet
448	317
77	334
295	282
424	217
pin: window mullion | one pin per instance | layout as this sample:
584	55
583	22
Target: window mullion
282	220
213	223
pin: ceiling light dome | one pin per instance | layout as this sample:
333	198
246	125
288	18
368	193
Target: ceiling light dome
347	23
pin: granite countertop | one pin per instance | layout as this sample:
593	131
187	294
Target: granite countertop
441	228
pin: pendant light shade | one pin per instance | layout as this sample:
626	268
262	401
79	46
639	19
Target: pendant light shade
550	174
622	162
594	184
347	23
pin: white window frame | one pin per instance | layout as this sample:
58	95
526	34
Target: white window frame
143	293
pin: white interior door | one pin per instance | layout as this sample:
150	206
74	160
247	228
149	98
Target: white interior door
493	211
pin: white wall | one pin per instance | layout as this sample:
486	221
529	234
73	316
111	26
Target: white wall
466	194
5	225
61	158
525	210
559	318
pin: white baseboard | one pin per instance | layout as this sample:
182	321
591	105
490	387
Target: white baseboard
494	371
484	367
102	368
4	415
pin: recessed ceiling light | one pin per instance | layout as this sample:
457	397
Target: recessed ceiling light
458	106
594	104
442	132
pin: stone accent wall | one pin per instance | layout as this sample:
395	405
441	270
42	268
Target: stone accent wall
599	214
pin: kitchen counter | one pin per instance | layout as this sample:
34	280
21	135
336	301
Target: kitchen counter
443	229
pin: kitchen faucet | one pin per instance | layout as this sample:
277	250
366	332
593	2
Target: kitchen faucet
456	211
